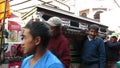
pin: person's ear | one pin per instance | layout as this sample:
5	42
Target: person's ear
37	40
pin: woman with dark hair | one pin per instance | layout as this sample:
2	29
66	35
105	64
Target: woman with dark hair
35	38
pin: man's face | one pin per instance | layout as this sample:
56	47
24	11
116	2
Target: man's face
52	29
113	39
28	43
92	33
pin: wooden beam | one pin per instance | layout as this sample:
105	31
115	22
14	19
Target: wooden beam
20	3
25	8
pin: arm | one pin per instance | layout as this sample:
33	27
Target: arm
64	53
115	45
102	54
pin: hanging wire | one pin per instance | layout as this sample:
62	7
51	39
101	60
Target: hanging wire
117	3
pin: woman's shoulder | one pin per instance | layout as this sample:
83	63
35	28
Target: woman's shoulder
27	58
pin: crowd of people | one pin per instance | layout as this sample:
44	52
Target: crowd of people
49	48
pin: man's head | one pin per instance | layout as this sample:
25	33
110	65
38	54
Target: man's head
93	31
114	37
55	25
35	35
54	21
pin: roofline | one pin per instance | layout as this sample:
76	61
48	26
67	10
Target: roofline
57	10
60	11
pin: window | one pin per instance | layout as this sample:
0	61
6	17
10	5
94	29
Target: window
84	15
97	14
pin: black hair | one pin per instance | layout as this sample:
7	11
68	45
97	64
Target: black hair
114	37
95	27
38	28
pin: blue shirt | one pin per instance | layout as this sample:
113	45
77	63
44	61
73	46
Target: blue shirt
94	51
47	61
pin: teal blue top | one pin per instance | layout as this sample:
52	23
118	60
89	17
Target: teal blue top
47	61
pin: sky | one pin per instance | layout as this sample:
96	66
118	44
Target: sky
111	19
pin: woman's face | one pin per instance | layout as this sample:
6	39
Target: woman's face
14	35
28	43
